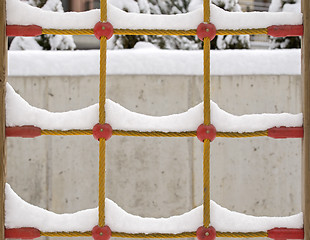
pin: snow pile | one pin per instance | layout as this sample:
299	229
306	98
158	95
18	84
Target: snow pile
19	112
45	42
152	61
23	14
19	213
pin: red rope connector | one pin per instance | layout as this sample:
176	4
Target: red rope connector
206	132
103	29
102	131
285	30
24	31
286	132
286	233
206	30
22	233
101	233
203	233
23	131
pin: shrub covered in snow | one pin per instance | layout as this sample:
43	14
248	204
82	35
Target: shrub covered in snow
44	42
285	6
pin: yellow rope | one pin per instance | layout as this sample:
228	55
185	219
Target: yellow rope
206	11
102	84
102	99
68	31
157	235
253	31
103	10
154	235
101	194
206	183
154	32
156	133
66	133
241	234
242	135
191	32
66	234
206	81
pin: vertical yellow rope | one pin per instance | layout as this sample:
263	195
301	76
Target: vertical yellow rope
206	144
102	97
103	10
102	85
206	81
101	197
206	119
206	183
206	11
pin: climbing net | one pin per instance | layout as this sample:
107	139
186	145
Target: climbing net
206	132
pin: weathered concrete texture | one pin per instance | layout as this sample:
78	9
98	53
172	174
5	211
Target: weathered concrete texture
159	177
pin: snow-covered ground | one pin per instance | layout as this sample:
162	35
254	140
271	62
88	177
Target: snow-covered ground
152	61
23	14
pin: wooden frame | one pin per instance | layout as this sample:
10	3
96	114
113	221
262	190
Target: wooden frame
306	113
3	78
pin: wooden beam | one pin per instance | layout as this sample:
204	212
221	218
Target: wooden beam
3	77
306	113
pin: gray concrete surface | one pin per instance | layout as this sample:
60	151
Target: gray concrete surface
160	177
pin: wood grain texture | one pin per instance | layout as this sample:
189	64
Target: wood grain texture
3	78
306	112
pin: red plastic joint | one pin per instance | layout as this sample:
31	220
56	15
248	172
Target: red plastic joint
23	131
22	233
101	233
103	29
286	233
102	131
203	233
285	30
25	31
206	132
206	30
286	132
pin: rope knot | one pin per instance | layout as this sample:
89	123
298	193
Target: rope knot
206	30
103	29
206	233
101	233
206	132
102	131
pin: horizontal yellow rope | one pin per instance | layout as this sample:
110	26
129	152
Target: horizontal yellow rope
242	135
253	31
157	235
191	32
68	31
66	234
241	234
156	133
66	133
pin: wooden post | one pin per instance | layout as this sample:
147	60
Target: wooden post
3	77
306	111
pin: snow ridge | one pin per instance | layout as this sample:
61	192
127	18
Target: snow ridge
19	112
22	14
19	213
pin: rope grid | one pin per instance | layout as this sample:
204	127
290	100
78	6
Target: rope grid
206	121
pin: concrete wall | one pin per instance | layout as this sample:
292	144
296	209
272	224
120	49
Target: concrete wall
160	177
